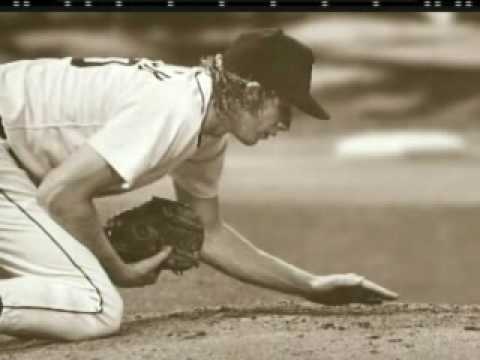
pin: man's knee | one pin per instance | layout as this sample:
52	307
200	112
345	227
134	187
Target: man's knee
104	323
112	314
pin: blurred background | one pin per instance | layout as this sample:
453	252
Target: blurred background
388	188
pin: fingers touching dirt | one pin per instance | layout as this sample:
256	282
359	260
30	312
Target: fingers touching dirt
340	289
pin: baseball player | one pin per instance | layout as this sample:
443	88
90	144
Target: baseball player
79	129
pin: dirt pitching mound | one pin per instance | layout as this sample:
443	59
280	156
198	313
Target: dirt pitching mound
288	330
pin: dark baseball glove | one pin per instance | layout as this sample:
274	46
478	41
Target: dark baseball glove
141	232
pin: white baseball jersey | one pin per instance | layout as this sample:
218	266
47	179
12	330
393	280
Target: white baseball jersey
143	117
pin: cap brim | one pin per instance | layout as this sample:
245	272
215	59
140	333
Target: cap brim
309	106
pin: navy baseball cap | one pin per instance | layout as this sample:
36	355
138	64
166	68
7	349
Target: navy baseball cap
279	63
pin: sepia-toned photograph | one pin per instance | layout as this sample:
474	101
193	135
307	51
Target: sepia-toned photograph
239	185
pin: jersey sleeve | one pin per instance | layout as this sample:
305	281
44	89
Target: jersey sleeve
140	134
200	174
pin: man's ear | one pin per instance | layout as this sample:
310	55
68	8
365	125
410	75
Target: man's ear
253	89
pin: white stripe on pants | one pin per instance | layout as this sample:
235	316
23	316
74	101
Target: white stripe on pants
55	286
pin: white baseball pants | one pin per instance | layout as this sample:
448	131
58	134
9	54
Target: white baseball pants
50	284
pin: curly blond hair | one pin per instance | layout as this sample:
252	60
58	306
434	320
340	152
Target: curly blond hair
230	90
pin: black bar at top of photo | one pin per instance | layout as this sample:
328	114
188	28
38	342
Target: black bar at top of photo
239	5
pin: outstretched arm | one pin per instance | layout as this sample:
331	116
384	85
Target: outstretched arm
230	252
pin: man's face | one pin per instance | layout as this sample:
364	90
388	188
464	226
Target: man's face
274	116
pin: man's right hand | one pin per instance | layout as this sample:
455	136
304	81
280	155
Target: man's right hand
144	272
341	289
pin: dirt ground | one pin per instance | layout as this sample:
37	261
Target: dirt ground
287	330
